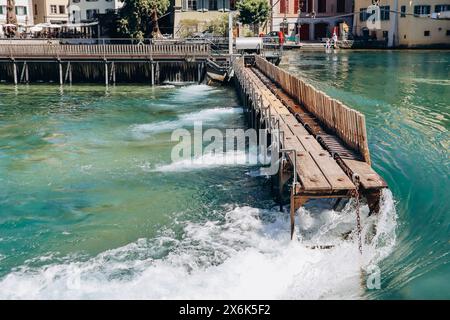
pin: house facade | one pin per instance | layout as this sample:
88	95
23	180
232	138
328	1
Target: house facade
418	23
192	16
309	19
23	10
81	11
50	11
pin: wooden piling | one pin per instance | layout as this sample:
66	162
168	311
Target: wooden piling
15	72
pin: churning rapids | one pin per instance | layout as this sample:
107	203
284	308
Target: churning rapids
92	207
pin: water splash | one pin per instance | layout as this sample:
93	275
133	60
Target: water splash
246	254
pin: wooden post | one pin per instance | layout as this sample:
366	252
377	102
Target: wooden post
15	72
106	73
66	76
27	74
114	73
22	74
70	73
61	80
152	71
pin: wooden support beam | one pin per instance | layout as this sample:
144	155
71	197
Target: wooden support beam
106	73
152	73
15	72
22	74
27	74
296	202
61	80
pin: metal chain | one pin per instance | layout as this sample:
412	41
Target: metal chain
358	216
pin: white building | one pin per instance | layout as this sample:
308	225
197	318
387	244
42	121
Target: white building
24	12
85	10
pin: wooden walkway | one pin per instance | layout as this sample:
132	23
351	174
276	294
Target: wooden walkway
51	51
320	162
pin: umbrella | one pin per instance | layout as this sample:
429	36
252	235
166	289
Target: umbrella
36	29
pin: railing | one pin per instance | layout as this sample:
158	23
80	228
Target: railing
348	124
103	50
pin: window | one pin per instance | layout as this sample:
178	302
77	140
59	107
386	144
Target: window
295	6
340	6
422	10
53	9
62	9
403	11
75	1
35	10
441	7
91	1
213	5
385	34
232	4
426	33
448	33
192	4
284	6
384	12
363	14
2	10
90	13
322	6
21	10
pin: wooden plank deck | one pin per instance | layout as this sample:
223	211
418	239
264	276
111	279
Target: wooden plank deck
369	179
317	171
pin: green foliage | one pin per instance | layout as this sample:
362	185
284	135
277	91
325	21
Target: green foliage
139	17
188	27
253	12
218	26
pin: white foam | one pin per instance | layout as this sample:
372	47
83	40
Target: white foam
209	160
206	115
246	256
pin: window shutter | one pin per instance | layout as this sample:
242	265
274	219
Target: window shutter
184	5
205	5
220	5
200	4
226	5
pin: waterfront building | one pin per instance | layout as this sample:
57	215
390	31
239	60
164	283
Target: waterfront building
405	23
50	11
23	10
309	19
191	16
87	10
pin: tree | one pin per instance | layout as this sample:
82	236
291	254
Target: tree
253	12
139	18
218	26
11	17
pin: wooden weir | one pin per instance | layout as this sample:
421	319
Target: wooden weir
323	143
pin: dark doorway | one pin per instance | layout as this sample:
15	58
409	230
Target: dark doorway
304	32
320	30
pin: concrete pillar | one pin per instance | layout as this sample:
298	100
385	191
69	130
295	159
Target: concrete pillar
311	31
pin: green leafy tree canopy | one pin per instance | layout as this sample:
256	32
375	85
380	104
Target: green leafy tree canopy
253	12
139	18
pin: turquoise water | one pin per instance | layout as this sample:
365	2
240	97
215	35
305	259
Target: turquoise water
405	96
91	205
